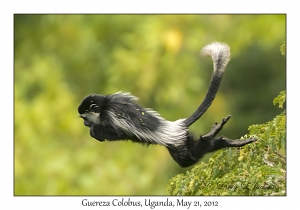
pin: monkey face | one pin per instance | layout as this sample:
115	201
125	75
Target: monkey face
89	109
90	118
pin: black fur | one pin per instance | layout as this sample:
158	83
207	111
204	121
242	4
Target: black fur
119	117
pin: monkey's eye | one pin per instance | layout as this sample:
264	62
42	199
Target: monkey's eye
94	108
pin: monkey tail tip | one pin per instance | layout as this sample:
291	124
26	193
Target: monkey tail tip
216	48
218	51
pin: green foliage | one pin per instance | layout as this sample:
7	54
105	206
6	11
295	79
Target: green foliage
280	99
255	169
283	48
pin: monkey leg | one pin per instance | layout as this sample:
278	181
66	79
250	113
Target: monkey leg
213	144
238	142
193	148
220	143
216	128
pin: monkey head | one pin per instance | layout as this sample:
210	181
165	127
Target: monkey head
90	109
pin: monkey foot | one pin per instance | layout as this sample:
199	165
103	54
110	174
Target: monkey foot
216	128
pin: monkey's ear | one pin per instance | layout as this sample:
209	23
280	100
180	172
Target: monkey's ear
94	108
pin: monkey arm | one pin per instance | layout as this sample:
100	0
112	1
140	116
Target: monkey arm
106	132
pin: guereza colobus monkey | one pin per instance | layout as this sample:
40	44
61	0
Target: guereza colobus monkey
119	117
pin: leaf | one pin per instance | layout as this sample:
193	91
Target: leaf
280	99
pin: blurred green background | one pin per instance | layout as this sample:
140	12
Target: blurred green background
59	59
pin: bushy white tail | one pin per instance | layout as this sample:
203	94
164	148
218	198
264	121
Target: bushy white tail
220	54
